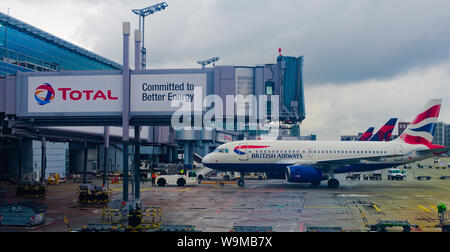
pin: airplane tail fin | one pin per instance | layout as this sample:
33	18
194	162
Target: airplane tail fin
385	133
421	130
366	136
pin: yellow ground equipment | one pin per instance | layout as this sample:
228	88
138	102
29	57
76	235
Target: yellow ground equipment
88	193
54	179
135	220
31	190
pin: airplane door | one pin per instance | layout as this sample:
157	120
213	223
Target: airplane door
243	148
399	151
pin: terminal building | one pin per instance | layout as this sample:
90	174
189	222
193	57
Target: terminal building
24	48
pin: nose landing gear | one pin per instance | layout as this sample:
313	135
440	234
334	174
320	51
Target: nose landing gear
241	182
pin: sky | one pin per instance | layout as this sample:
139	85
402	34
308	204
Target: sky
365	61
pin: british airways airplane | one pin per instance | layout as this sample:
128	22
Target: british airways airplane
316	161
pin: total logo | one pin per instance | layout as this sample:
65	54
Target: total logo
45	94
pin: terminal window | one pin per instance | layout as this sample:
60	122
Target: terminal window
269	87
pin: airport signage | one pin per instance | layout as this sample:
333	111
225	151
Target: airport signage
68	94
98	95
166	92
95	93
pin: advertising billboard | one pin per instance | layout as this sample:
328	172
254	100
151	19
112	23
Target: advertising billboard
157	92
96	97
96	93
70	95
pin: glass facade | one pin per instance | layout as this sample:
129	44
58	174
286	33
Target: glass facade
442	134
25	47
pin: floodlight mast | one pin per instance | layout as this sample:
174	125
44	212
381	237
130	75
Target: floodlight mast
208	61
142	13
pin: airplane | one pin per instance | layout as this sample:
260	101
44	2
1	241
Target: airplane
367	135
316	161
385	133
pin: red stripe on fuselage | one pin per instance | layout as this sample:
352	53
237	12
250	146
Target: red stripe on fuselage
251	147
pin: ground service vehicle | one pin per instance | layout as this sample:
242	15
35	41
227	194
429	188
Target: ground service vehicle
395	174
177	179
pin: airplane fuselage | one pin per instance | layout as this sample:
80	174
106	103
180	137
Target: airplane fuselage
270	156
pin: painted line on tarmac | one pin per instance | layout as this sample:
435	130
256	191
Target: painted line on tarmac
231	202
147	189
377	208
328	207
424	208
184	190
302	226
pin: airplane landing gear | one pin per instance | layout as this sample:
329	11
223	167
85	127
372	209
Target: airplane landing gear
333	183
241	182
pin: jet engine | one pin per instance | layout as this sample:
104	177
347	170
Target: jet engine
305	174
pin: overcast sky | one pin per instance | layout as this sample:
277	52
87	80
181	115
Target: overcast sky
365	61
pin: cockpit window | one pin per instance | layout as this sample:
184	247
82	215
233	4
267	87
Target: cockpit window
222	150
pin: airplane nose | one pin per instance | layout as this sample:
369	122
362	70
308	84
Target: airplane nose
206	159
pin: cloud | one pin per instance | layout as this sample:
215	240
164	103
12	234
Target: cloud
334	110
343	41
365	61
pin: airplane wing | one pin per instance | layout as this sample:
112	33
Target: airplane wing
334	163
436	151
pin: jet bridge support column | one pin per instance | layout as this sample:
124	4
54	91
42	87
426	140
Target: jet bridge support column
85	161
20	168
105	156
187	138
207	139
43	159
137	157
188	155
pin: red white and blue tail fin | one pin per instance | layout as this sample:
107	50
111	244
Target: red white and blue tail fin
367	135
421	130
385	132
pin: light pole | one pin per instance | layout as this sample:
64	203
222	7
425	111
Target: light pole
142	13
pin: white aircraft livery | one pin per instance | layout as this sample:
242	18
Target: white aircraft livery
315	161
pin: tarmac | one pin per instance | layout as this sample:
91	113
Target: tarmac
285	207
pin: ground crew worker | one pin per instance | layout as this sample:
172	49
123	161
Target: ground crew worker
153	179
